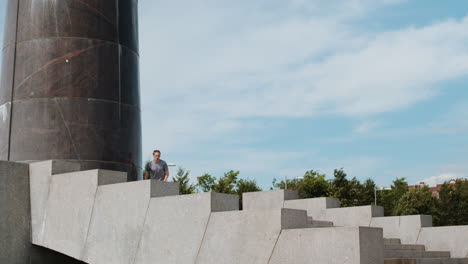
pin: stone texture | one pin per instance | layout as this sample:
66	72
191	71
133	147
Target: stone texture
267	199
70	83
406	228
15	213
40	178
449	238
426	261
160	188
315	207
246	236
340	245
117	222
175	226
69	208
354	216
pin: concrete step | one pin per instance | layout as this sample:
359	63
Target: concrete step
415	254
392	241
404	247
318	223
426	261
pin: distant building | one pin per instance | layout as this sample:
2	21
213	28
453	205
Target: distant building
435	190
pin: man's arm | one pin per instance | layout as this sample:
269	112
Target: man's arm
146	173
166	170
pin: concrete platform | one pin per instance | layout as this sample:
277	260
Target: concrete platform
175	226
246	236
339	245
416	254
117	222
427	261
354	216
267	199
406	228
405	247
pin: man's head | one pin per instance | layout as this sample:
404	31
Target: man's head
156	155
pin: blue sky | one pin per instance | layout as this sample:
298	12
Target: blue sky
277	87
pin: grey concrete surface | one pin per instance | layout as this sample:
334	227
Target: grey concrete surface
15	213
68	212
338	245
316	207
410	247
353	216
221	202
426	261
416	254
117	222
371	245
69	206
160	188
449	238
405	228
175	225
40	177
246	236
267	199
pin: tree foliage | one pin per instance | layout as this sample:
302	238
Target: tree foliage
453	203
228	183
416	201
183	178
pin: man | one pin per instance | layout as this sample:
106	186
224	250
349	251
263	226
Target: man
157	168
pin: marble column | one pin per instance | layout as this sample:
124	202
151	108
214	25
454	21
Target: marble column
70	83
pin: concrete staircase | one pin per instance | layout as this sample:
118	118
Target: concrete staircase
98	218
397	253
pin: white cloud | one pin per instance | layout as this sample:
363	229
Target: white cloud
209	68
439	179
366	126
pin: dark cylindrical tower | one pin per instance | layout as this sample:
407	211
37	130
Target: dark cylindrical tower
70	83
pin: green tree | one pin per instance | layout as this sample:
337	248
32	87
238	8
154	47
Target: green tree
342	189
366	193
313	184
183	178
227	183
414	202
206	182
389	198
453	203
292	184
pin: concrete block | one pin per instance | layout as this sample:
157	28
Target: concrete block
427	261
339	245
267	199
246	236
69	207
448	238
405	227
416	254
175	225
221	202
353	216
15	213
408	247
161	189
40	177
117	221
316	207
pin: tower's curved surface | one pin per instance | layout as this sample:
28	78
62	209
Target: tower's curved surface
70	83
